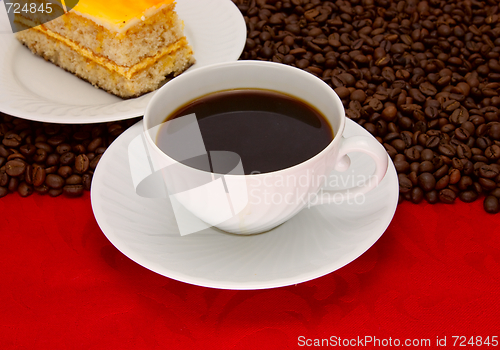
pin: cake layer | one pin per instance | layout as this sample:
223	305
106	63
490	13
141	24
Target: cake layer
120	15
127	71
126	48
146	79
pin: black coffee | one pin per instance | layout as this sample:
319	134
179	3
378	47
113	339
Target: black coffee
269	130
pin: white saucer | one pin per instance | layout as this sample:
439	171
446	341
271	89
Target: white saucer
34	89
314	243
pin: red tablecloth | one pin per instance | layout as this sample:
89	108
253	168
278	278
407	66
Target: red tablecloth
435	273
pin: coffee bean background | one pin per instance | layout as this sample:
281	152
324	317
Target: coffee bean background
52	159
423	77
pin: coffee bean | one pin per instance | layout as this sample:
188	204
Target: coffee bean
447	128
87	181
439	161
401	166
495	192
13	184
45	146
24	189
407	138
487	171
16	155
464	151
459	116
413	177
38	176
82	163
417	195
63	148
40	156
27	150
432	142
428	89
468	196
468	167
51	129
447	196
494	131
447	150
469	126
443	182
55	192
479	158
426	181
42	189
15	167
347	78
427	154
442	171
398	144
492	152
27	173
54	141
358	95
426	166
73	190
94	162
54	181
303	63
67	158
487	184
4	152
416	95
451	105
11	140
100	150
481	130
462	134
405	185
412	154
432	197
483	142
52	160
478	188
491	205
465	182
342	92
74	180
455	176
389	113
51	170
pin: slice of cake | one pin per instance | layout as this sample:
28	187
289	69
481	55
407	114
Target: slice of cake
126	47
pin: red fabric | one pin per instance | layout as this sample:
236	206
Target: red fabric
434	273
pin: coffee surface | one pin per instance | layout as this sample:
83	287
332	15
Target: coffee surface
268	130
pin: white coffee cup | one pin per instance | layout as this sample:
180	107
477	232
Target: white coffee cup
259	202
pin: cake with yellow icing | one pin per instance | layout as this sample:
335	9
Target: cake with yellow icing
126	47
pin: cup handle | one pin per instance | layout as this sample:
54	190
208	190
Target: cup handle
367	145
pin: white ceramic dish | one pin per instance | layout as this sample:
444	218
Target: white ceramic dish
314	243
34	89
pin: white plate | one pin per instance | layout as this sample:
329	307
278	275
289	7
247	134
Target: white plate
34	89
314	243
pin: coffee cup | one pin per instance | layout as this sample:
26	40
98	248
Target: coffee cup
253	203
